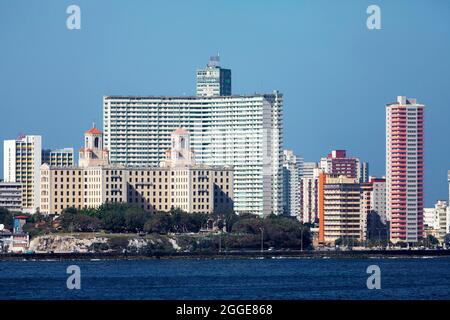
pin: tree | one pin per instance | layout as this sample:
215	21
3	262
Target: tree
6	218
160	222
286	232
226	216
135	218
447	239
347	241
248	224
278	231
113	221
71	220
187	222
113	216
429	241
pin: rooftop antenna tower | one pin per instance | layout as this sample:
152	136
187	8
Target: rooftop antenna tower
214	61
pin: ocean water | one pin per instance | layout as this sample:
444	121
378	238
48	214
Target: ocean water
401	278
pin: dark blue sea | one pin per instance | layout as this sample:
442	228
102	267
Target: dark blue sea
401	278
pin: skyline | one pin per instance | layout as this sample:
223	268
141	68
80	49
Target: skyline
50	68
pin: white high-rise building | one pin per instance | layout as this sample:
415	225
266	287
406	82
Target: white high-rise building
308	169
241	131
21	163
292	166
373	206
378	197
309	193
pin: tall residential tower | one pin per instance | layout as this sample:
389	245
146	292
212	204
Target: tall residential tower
292	174
404	169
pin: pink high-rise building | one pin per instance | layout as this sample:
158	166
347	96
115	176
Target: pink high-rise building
404	169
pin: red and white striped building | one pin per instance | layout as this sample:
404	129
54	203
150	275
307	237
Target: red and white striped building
404	169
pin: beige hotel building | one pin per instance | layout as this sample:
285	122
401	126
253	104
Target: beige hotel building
178	183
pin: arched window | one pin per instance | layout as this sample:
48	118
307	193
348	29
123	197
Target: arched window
96	142
182	143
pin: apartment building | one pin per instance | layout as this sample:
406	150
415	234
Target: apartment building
404	169
11	196
339	208
21	162
244	132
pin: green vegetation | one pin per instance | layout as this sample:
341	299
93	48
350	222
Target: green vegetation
192	231
347	242
6	218
128	218
429	241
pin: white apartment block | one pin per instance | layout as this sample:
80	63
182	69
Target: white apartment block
309	193
292	166
373	201
308	169
21	162
378	197
244	132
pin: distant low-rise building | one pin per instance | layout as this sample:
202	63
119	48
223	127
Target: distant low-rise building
17	240
5	239
436	220
11	196
447	227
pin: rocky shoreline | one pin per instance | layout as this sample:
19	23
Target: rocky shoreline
248	254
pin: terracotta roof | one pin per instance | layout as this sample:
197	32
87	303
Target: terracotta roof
181	131
93	130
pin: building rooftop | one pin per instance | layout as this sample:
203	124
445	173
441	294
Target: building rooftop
93	130
132	167
195	97
181	131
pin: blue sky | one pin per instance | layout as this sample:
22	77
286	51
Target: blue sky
335	74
